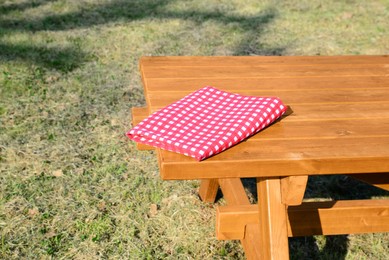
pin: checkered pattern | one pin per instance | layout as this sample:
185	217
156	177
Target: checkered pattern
207	122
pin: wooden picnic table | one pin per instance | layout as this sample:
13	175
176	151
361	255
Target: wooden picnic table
338	123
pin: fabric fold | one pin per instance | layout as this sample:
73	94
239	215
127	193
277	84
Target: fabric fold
207	122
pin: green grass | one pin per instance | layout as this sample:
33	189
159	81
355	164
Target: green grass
73	186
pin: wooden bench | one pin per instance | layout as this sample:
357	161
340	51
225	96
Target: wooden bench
339	125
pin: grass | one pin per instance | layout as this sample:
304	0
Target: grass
73	186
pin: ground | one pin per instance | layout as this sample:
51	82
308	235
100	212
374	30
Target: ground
73	186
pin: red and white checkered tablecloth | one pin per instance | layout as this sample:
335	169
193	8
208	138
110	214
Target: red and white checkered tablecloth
207	122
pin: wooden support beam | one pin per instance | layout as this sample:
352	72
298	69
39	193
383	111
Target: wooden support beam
313	218
208	190
249	243
339	217
138	114
231	221
234	193
293	189
273	237
380	180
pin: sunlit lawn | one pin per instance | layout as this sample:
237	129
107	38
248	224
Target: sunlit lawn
73	186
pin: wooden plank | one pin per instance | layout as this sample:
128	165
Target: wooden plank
266	71
336	147
233	191
160	99
315	129
326	110
284	158
208	190
254	60
266	84
299	148
339	217
234	194
293	189
313	218
231	220
252	251
273	237
138	114
339	111
268	168
380	180
145	85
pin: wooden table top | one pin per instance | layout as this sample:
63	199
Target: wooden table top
339	124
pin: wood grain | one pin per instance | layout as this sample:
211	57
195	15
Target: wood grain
254	60
265	71
339	125
237	85
208	190
297	98
284	158
293	189
339	217
273	237
138	114
231	221
313	218
233	191
234	194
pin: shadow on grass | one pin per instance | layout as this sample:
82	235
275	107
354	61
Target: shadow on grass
341	187
335	187
61	59
6	8
304	248
119	11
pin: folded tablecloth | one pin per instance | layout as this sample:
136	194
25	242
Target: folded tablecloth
207	122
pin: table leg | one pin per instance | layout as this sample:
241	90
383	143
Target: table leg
232	188
208	190
273	235
234	193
